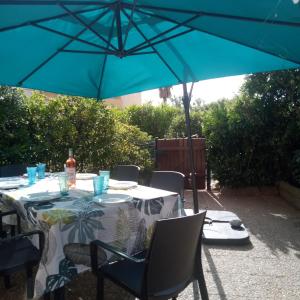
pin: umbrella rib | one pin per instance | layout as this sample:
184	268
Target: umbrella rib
164	32
220	36
141	53
86	52
105	58
52	2
163	40
129	5
59	50
49	19
129	24
89	27
68	36
217	15
104	52
154	49
119	26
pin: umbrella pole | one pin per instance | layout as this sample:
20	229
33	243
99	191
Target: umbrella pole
186	104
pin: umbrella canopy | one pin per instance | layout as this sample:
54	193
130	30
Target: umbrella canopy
108	48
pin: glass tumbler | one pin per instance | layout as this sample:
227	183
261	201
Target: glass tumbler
98	182
63	184
106	175
31	172
41	168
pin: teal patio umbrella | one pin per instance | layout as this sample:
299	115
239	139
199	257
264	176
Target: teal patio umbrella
103	49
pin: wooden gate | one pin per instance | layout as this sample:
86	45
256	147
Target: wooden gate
173	155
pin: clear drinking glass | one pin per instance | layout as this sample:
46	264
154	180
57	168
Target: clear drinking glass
98	182
41	168
106	175
31	172
63	184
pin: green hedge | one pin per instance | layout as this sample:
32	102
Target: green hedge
163	121
253	139
178	125
155	120
37	129
14	135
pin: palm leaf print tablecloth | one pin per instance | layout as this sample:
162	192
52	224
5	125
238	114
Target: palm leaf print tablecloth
80	218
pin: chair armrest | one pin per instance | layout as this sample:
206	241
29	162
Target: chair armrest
207	220
94	254
8	213
31	233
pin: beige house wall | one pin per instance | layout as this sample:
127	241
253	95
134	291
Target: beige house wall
124	101
121	102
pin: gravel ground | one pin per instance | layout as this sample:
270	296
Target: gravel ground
268	268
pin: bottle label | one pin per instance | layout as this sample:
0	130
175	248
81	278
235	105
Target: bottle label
71	172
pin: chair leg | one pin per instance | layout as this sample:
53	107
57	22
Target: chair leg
29	283
47	296
59	294
12	230
7	283
100	287
202	287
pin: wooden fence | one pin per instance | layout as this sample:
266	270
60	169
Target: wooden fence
173	155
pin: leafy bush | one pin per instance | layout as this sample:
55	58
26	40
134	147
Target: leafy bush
254	139
295	167
13	126
70	122
239	149
130	146
44	129
250	139
178	125
155	120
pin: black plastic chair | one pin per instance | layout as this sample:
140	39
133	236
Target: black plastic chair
170	181
126	173
9	230
12	170
17	253
172	261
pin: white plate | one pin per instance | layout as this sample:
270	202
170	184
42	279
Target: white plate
46	174
10	179
56	174
42	196
112	198
122	185
85	176
7	185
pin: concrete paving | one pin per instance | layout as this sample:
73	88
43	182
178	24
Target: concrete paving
268	268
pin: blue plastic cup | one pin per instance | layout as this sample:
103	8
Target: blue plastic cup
106	175
63	184
98	183
41	168
31	172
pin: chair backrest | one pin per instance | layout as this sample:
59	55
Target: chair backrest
168	180
172	255
126	172
12	170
